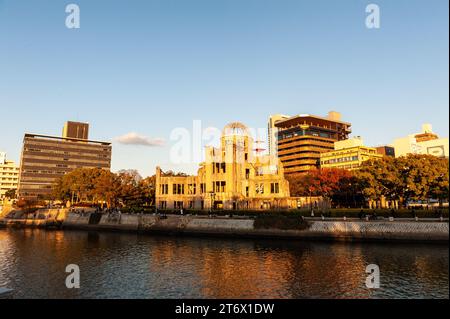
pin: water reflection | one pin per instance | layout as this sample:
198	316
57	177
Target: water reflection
132	266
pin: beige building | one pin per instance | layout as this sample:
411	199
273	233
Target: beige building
425	142
348	154
45	158
9	175
233	176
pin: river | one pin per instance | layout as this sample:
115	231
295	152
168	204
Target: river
120	265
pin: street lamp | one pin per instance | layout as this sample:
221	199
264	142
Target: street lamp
212	195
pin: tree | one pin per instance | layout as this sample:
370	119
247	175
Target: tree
10	193
107	188
412	177
98	186
331	183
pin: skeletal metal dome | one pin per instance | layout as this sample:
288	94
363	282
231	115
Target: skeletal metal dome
236	128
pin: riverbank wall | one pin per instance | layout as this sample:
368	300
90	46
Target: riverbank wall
349	230
335	230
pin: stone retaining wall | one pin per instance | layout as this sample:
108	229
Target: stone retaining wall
409	230
334	230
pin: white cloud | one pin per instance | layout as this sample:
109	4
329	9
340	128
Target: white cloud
133	138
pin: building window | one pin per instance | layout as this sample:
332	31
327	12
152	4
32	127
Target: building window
162	204
192	189
259	188
219	168
203	188
164	189
219	186
274	188
178	189
247	173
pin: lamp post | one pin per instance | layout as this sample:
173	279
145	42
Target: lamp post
212	195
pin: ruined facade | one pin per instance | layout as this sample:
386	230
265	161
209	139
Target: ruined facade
233	176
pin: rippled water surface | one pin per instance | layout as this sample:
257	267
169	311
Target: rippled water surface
113	265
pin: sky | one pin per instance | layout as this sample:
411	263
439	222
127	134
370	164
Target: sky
137	70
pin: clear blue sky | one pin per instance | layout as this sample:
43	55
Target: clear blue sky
150	66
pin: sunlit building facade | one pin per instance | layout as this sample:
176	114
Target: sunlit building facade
302	138
46	158
9	175
348	154
233	176
425	142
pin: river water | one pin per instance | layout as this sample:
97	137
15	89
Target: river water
117	265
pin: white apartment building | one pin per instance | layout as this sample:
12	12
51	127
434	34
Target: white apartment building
9	175
425	142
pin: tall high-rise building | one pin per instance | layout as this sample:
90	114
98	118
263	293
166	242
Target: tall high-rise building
9	175
46	158
302	138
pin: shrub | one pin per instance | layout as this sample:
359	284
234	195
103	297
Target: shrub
280	222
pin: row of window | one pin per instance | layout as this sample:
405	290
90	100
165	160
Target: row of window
274	188
32	158
56	153
180	205
285	135
217	186
76	146
29	171
348	166
340	160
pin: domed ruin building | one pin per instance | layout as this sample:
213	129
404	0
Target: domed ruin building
235	176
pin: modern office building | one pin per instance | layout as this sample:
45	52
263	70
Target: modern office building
348	154
233	176
46	158
9	175
425	142
302	138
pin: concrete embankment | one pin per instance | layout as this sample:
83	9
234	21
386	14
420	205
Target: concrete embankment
423	231
42	218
